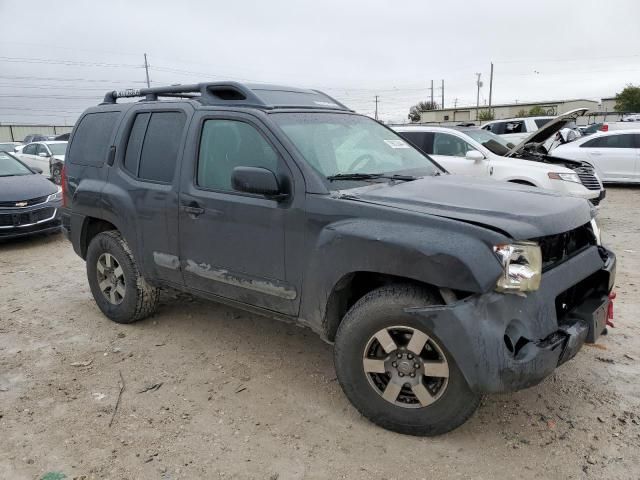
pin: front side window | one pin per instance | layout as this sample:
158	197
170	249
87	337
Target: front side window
227	144
450	145
334	143
57	148
421	140
30	149
41	149
541	122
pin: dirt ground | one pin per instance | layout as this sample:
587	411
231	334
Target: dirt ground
233	395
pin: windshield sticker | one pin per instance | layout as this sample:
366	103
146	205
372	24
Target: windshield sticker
396	143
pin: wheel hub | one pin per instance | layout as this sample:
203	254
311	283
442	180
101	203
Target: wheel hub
406	367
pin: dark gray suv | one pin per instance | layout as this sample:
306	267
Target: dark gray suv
434	288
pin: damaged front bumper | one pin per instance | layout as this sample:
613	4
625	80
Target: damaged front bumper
506	342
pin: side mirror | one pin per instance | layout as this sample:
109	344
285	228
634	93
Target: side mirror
36	170
256	180
43	154
474	155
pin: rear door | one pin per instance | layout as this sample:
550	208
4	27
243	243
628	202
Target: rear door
143	189
614	156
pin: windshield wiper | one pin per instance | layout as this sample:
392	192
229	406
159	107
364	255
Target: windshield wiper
369	176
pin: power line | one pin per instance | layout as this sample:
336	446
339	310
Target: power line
66	62
66	79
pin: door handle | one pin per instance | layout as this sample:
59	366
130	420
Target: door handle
193	209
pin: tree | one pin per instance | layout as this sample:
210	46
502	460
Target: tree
628	100
537	111
414	112
485	115
522	113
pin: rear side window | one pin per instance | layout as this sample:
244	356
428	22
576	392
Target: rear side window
541	122
153	145
421	140
611	141
91	139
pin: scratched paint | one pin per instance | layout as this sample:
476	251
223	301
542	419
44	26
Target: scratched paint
275	288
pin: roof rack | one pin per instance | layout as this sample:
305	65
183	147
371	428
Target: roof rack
234	93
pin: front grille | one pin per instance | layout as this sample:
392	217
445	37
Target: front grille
557	248
26	218
29	202
588	177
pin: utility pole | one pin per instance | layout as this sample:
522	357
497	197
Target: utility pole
490	86
479	84
376	107
442	106
431	89
146	69
455	103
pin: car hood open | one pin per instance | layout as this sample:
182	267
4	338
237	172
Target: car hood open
519	211
548	130
25	187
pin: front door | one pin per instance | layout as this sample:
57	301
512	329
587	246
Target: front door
232	244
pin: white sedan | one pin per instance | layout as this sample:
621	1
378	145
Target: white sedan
41	155
614	154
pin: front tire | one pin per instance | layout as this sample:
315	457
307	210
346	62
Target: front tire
121	293
395	371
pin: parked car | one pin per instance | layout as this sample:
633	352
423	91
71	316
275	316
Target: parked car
586	130
9	146
29	203
633	117
614	154
34	137
63	137
48	156
434	288
515	130
477	152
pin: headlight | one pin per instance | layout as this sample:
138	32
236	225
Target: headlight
567	177
522	267
596	231
55	196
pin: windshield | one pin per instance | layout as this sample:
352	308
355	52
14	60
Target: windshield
7	147
335	144
57	148
491	141
10	166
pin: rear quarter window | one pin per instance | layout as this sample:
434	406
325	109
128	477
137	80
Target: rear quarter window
90	142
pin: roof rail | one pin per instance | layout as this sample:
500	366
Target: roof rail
233	93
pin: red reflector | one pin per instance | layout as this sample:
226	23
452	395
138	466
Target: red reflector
63	184
612	297
604	127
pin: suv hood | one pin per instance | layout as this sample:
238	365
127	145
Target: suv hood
547	131
519	211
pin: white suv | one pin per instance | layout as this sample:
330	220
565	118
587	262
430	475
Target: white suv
42	155
515	130
475	152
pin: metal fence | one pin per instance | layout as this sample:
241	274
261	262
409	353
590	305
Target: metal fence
16	133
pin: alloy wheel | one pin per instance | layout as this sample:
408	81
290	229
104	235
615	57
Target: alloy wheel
111	278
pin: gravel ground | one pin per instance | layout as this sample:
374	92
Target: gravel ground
233	395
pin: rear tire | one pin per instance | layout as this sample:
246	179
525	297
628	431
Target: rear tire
120	291
435	398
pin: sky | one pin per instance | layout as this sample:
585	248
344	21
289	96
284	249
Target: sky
58	58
